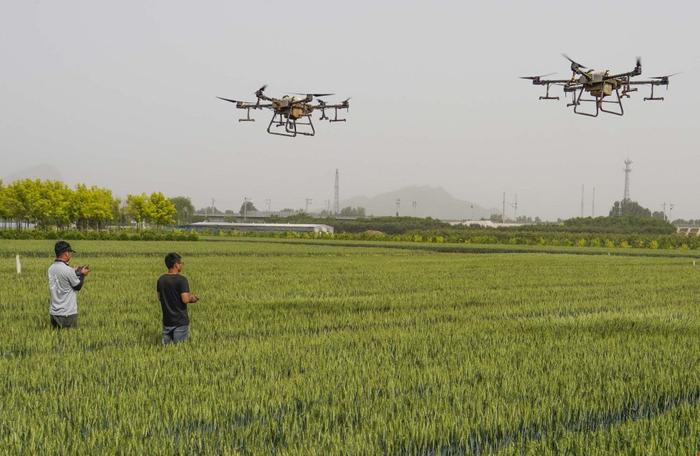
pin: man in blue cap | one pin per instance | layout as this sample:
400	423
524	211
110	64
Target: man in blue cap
64	283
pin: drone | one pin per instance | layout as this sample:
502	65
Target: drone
594	86
291	114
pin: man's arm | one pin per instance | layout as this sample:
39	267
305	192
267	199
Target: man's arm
81	272
189	298
81	281
185	295
76	277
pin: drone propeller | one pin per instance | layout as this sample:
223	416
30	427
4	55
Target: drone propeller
664	79
259	92
315	95
228	99
574	64
536	78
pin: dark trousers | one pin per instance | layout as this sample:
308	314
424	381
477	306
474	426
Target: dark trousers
64	321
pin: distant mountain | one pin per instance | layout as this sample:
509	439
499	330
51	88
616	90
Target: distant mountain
43	171
429	202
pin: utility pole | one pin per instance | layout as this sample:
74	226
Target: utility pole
306	207
628	170
582	193
514	205
503	212
398	206
670	210
268	205
415	205
593	203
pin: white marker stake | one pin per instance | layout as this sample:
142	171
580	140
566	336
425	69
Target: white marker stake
19	264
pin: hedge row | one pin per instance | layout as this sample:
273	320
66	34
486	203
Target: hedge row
104	235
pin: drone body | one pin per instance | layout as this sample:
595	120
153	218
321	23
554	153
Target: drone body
602	87
290	112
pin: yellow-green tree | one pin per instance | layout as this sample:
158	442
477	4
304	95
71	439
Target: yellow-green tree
92	206
136	208
161	211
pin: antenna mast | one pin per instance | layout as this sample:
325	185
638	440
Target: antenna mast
628	170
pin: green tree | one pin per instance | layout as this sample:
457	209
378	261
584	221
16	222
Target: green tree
628	208
184	208
23	196
136	208
120	215
92	206
55	199
4	203
248	207
160	210
352	211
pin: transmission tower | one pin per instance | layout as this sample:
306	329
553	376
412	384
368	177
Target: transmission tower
628	170
514	205
503	212
336	195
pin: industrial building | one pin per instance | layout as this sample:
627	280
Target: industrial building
268	227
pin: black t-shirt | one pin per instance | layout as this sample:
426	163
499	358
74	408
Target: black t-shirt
174	310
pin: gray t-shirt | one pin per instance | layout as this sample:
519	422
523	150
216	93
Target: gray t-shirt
62	280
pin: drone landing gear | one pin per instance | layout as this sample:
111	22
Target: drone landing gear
290	126
546	95
652	97
335	118
247	117
599	104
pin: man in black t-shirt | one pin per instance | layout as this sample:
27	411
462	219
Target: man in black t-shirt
174	295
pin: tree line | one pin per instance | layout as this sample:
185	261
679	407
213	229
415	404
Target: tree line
50	203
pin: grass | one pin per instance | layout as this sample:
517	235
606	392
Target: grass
330	348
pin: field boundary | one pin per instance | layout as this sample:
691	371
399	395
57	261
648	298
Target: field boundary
473	248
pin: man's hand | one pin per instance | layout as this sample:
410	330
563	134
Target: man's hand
83	270
189	298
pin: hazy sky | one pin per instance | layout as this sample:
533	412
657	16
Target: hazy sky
122	94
